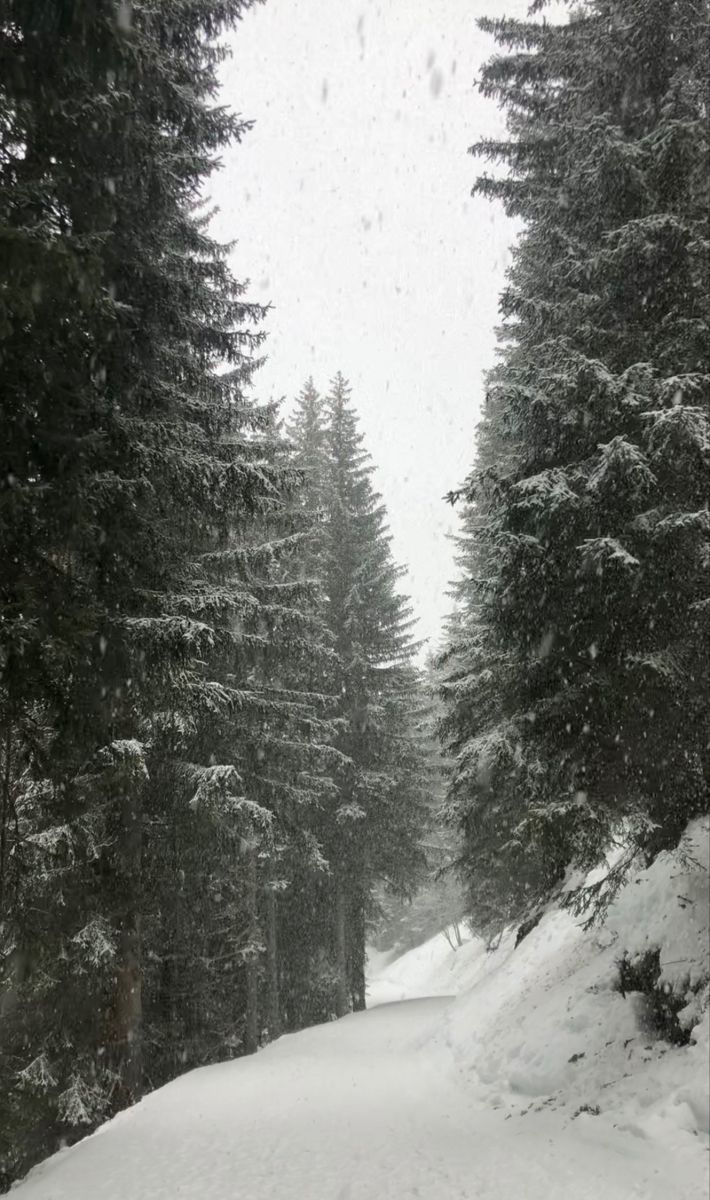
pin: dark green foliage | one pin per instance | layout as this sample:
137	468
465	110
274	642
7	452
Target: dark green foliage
149	584
200	764
178	787
371	834
579	683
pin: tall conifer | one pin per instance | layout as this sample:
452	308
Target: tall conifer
379	817
126	463
586	695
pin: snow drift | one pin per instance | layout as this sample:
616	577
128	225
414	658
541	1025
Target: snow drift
549	1024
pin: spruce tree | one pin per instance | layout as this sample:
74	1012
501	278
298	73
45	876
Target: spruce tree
237	786
439	903
308	962
579	699
379	816
126	468
371	830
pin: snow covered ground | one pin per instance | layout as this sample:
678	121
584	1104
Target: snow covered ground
432	969
538	1082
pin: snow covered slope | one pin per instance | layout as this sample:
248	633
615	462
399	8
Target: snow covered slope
546	1024
538	1082
544	1027
432	969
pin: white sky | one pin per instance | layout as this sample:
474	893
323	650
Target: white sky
350	200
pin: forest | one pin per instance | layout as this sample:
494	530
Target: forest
225	758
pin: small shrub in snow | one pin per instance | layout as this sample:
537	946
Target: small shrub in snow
663	1005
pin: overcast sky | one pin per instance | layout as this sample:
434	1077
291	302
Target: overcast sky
350	200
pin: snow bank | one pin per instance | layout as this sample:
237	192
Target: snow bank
545	1026
435	968
544	1035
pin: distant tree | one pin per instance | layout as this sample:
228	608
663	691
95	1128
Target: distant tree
440	900
238	787
370	832
307	966
382	788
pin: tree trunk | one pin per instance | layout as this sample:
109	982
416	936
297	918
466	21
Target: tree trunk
5	806
357	957
272	966
128	1009
176	1021
251	1031
342	1005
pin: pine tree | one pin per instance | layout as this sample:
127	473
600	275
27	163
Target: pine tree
585	695
371	831
307	961
126	466
439	903
379	816
287	769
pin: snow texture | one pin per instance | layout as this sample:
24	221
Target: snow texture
539	1081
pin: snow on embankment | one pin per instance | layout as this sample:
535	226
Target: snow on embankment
559	1024
436	968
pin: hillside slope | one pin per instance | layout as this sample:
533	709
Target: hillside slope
607	1027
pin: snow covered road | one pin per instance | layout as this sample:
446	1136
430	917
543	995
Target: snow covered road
367	1108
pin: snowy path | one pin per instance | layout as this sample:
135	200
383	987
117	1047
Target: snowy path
367	1108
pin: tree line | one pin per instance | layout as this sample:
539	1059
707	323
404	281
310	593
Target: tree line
576	676
210	759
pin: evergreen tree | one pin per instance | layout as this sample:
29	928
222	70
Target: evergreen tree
308	963
237	786
128	464
439	904
371	832
379	816
579	693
